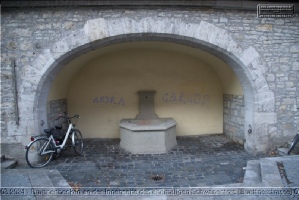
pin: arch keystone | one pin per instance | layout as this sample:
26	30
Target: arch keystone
96	29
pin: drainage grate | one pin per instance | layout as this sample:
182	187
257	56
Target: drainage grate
157	177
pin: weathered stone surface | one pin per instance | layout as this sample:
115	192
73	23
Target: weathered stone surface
263	52
233	117
54	108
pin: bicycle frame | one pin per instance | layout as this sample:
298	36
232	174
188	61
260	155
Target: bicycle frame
66	136
51	139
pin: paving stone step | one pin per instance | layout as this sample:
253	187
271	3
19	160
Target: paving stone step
264	172
253	173
252	176
269	173
41	177
8	162
57	179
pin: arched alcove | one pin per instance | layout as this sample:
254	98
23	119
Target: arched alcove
98	33
102	86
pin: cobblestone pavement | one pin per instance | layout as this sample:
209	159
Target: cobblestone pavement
195	161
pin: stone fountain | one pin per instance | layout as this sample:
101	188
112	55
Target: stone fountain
147	134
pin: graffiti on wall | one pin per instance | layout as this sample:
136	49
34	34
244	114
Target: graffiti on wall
167	97
109	100
181	97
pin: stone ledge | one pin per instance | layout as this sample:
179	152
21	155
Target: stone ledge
9	164
147	125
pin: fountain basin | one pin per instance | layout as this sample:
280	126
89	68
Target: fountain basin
148	136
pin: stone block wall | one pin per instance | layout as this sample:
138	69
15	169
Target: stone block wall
268	49
233	117
54	108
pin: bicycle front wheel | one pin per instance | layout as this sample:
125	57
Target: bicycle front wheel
77	142
34	156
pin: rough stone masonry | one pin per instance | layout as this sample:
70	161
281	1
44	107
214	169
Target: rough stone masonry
264	53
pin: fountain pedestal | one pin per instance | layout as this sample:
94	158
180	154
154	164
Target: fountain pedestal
147	134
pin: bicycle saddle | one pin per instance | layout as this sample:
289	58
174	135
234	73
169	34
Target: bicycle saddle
48	130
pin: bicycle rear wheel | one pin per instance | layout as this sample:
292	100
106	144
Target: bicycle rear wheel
294	142
77	142
33	153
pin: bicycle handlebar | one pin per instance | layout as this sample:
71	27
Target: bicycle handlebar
66	117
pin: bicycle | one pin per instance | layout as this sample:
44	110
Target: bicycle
41	149
294	142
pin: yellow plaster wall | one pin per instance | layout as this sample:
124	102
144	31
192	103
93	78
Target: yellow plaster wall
104	92
102	87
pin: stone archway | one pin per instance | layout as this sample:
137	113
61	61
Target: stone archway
97	33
